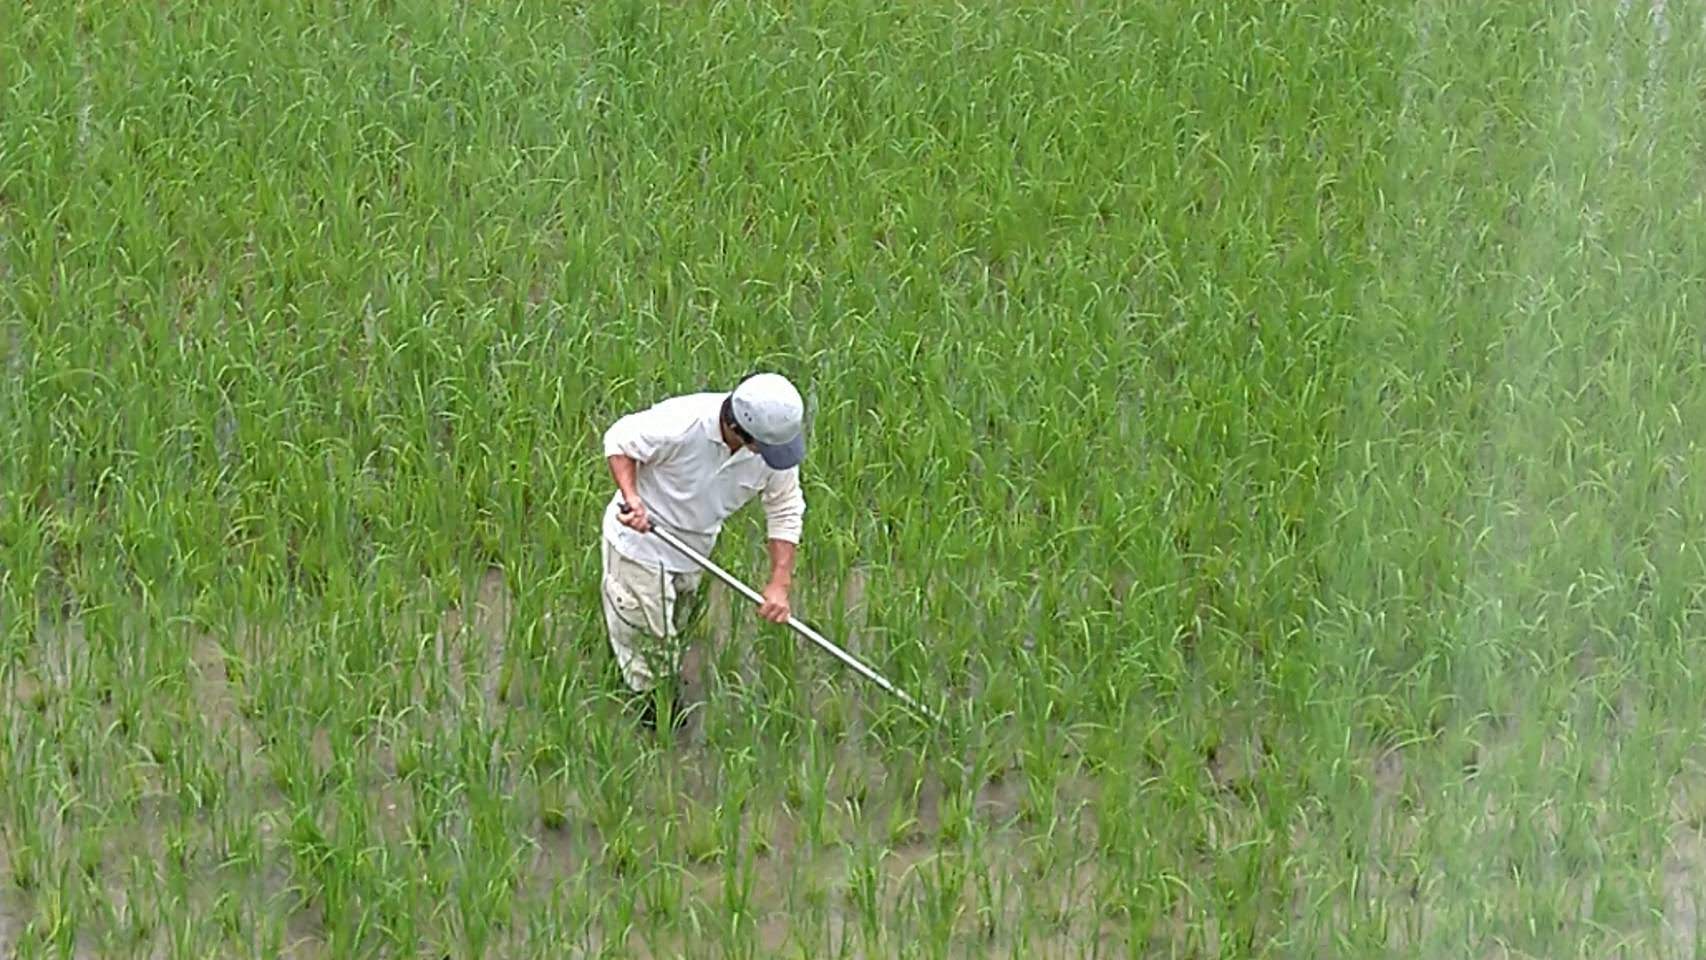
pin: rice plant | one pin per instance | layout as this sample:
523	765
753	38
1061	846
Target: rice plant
1266	431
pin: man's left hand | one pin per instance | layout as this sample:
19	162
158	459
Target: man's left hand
775	606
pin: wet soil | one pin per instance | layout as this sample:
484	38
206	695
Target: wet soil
802	893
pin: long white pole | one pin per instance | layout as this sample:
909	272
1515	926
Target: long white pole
794	622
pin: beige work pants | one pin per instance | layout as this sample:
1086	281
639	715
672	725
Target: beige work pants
647	613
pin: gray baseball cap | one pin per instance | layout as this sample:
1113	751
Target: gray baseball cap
771	412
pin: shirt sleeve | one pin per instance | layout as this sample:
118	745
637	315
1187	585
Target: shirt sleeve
643	436
784	506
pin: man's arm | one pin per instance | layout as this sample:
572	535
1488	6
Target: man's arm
776	606
784	510
632	440
622	471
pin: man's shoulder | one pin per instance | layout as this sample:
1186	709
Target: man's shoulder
688	410
682	416
683	407
696	402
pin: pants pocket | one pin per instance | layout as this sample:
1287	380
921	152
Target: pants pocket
626	603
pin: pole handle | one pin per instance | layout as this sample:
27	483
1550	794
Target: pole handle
793	621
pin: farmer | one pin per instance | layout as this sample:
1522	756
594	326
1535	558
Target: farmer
687	463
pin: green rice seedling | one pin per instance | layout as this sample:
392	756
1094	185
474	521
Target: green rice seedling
810	782
902	826
663	895
812	895
991	891
556	805
56	927
701	839
956	818
490	869
941	889
1177	375
25	857
89	839
619	828
737	907
867	893
765	829
1042	776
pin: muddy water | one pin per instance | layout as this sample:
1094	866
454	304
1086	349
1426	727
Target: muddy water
1684	872
13	909
781	876
788	861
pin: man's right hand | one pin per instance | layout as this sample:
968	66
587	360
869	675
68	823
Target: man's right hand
633	514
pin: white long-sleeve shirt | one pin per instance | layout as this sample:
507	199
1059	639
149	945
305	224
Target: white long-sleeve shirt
690	482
